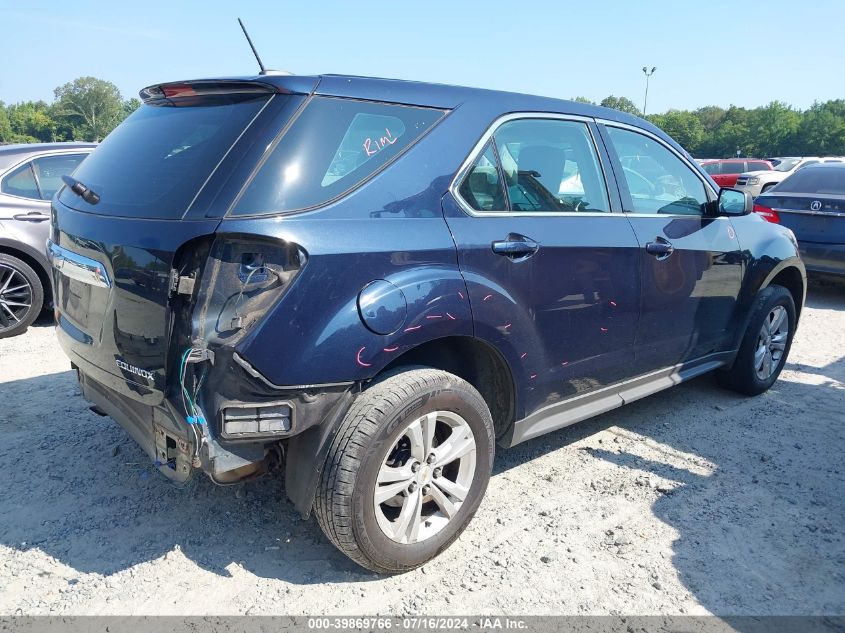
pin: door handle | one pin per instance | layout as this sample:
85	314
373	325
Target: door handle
660	248
31	216
515	247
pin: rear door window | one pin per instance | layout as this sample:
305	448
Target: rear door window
154	163
482	187
50	169
712	168
758	166
334	145
21	182
550	165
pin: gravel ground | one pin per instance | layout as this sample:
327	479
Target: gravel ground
692	501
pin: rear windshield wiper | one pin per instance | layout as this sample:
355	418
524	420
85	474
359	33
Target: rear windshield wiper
81	190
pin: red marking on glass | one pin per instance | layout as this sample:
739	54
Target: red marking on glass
564	363
603	329
506	326
460	294
488	297
451	318
434	316
532	376
391	349
413	328
613	303
358	358
523	355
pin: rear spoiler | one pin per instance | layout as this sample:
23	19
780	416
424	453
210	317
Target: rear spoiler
205	88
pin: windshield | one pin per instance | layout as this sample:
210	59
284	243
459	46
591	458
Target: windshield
787	164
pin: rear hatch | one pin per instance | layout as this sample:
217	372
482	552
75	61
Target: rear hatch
811	203
164	178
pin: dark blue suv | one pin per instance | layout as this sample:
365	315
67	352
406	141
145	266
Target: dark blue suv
371	282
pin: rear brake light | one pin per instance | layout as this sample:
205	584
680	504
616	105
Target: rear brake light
204	89
769	214
178	90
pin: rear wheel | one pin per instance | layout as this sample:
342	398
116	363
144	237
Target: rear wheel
21	295
407	470
765	346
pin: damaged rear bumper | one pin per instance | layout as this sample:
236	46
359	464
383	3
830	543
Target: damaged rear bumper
281	415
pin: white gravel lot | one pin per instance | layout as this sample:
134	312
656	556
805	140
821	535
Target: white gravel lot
692	501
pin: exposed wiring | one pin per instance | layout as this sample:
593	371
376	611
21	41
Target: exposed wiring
193	415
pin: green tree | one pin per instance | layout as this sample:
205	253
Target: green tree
620	103
31	122
683	126
822	129
773	129
93	106
583	100
5	125
129	106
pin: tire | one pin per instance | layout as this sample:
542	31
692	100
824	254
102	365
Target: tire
19	283
375	428
744	376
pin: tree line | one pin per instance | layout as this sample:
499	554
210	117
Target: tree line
87	109
775	129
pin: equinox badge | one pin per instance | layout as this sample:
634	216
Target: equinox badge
143	373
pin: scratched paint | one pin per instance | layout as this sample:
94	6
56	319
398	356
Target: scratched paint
358	358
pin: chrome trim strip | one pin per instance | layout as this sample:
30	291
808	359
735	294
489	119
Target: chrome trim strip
833	214
581	407
84	269
479	146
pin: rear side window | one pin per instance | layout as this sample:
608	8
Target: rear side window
50	169
21	182
334	145
758	166
733	168
712	168
154	163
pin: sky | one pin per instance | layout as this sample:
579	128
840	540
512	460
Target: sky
713	52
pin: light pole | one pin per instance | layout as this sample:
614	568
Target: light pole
648	73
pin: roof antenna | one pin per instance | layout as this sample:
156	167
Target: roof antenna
252	46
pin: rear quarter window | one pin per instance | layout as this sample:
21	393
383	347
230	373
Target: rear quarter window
333	146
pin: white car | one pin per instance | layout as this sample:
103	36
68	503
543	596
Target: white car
757	182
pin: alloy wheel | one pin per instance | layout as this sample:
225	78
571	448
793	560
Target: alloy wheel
771	342
15	297
425	477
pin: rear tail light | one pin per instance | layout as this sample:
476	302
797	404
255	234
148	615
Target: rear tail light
769	214
243	278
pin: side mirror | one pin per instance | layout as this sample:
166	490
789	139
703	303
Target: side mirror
734	202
